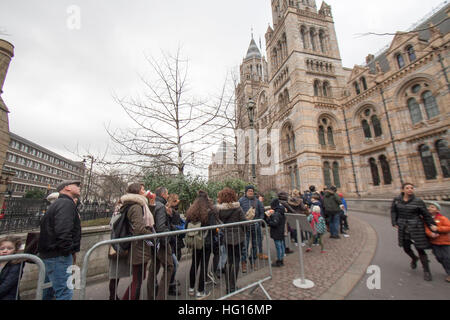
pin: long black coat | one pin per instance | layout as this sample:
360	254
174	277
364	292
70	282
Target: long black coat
9	280
410	216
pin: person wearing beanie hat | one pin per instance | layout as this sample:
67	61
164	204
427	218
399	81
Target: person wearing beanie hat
319	228
440	239
276	219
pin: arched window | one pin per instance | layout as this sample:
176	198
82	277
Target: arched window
357	89
374	171
330	136
386	170
327	174
281	101
316	88
322	41
326	89
312	34
431	106
337	180
444	157
414	111
322	136
428	162
400	61
303	35
411	53
364	83
293	140
366	128
377	126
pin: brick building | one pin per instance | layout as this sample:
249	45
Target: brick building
365	129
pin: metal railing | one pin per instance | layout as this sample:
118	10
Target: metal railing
159	253
41	274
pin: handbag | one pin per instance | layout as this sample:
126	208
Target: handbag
112	253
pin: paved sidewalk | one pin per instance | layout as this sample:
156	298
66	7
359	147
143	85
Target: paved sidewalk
334	273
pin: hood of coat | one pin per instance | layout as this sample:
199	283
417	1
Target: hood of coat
134	198
295	202
228	206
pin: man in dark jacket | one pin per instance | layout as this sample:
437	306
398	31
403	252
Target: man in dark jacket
59	240
164	254
332	205
254	231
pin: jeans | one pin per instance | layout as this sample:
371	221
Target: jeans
250	233
259	238
279	245
442	254
335	221
56	272
164	260
175	268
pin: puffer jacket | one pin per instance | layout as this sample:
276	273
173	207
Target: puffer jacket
331	203
443	224
410	217
277	222
231	213
133	204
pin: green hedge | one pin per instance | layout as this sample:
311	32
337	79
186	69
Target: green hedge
187	186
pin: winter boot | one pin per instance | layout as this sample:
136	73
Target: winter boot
277	264
414	259
426	268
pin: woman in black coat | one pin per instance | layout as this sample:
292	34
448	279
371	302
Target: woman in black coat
409	214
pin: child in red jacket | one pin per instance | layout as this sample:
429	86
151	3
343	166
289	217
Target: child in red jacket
440	240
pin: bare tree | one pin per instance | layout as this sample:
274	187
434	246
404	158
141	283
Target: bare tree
170	124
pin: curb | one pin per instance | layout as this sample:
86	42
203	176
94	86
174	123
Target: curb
342	288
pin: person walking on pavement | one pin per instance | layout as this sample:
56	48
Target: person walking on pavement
333	207
440	239
163	257
249	202
408	214
59	240
230	211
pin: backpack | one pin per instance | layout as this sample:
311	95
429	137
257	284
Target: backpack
195	239
120	228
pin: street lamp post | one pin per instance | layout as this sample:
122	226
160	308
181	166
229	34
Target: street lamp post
251	116
89	179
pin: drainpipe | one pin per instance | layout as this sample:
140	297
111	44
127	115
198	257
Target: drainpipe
351	153
392	135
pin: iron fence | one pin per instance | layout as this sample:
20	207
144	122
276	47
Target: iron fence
22	215
195	276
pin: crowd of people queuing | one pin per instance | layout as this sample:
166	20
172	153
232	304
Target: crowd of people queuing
140	212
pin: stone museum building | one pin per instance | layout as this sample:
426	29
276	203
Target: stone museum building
366	129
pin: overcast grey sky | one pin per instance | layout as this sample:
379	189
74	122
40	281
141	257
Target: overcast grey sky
60	82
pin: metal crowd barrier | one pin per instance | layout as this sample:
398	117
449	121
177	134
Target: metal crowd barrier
38	262
218	284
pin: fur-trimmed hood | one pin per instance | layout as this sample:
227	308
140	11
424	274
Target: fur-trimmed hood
134	198
228	206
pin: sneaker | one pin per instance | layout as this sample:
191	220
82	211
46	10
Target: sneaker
414	263
288	251
202	295
447	279
427	276
303	244
346	236
262	256
316	244
277	264
308	250
296	244
244	267
191	292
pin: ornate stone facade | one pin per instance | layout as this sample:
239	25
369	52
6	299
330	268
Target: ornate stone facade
366	129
